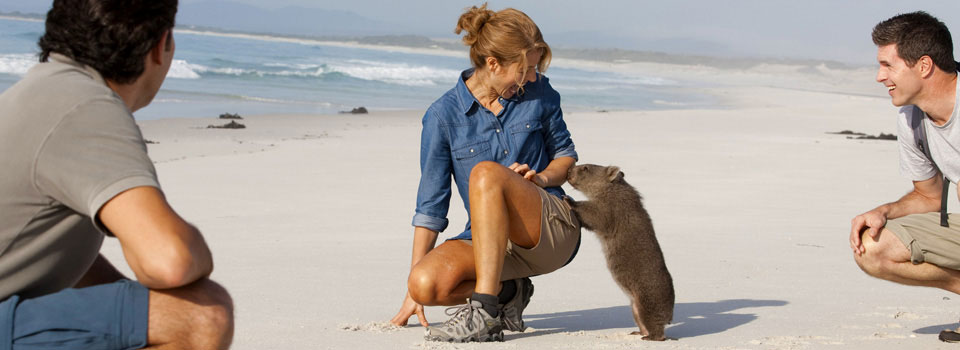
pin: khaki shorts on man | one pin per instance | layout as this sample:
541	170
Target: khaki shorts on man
927	240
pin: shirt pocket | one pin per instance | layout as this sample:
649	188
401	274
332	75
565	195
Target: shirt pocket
528	136
527	126
468	156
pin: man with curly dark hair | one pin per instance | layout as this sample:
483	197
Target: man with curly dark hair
75	168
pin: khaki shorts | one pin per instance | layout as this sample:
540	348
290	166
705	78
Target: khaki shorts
927	240
559	242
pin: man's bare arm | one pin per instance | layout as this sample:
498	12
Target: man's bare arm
162	249
924	198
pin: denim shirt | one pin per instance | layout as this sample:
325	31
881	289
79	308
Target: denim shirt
458	133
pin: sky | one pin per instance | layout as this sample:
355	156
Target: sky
811	29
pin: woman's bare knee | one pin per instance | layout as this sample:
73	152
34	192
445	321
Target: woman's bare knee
198	316
422	286
486	174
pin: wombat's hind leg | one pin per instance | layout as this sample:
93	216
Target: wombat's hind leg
651	321
656	333
638	317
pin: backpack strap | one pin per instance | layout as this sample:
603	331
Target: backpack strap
920	137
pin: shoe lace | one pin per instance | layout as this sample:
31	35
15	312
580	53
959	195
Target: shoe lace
461	313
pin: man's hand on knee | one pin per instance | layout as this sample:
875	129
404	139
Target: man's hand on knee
869	223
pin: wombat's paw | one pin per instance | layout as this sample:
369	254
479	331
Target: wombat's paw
569	200
649	337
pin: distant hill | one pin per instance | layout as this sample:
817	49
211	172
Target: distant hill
230	17
18	14
289	20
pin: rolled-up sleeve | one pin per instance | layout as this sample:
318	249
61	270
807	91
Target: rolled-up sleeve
558	140
433	195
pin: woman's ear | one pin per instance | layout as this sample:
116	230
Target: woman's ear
492	64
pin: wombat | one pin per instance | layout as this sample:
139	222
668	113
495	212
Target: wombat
615	213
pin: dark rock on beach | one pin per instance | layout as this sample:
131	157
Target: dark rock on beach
230	116
358	110
882	136
861	136
847	132
231	125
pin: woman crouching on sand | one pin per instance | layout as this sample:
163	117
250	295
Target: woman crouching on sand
500	133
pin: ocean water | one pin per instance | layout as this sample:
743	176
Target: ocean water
213	74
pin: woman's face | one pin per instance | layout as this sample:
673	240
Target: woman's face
508	79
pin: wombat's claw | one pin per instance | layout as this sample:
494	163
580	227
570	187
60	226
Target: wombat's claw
648	337
568	200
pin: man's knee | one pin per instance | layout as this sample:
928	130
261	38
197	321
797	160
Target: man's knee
198	315
216	314
880	254
869	262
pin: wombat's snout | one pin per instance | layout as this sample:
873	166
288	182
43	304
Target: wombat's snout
570	173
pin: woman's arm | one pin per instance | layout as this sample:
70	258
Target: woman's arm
433	200
554	175
424	240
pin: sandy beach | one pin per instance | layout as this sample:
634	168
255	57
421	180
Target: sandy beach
308	217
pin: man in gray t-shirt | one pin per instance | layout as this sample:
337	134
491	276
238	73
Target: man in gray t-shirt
75	168
903	241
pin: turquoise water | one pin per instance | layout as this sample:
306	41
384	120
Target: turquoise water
217	74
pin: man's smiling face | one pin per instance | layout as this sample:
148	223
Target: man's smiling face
903	82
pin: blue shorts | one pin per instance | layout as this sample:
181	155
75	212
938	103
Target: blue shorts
108	316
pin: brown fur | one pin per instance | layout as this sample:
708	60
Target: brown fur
615	213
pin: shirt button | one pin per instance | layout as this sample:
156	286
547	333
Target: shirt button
505	152
528	126
498	130
471	150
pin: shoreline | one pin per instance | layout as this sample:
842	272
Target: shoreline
306	41
17	18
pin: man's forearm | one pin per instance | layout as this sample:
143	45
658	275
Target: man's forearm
176	261
911	203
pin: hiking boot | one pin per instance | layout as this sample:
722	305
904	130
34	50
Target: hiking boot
512	311
469	323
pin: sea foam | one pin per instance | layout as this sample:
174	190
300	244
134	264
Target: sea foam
17	64
392	73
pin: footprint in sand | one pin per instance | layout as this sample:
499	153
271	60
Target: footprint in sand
904	315
795	341
885	335
376	327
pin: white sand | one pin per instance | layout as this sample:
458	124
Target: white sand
308	218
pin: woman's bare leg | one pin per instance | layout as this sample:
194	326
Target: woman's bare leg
503	205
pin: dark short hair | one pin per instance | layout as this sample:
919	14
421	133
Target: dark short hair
112	36
917	34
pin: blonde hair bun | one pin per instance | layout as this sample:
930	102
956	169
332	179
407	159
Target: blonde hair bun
506	35
472	22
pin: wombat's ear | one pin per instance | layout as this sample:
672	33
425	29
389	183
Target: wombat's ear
613	172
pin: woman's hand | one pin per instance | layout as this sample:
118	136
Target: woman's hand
409	309
529	174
